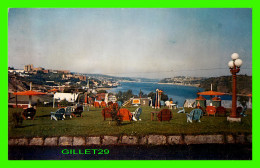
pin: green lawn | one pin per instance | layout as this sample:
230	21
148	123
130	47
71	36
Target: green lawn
92	124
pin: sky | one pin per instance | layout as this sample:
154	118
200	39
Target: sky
151	43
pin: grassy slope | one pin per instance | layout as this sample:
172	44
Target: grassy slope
92	124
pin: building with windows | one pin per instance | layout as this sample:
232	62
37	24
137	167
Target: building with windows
28	68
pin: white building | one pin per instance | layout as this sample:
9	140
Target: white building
70	97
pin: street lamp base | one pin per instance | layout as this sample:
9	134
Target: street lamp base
233	119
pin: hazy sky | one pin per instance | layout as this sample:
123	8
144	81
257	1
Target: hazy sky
152	43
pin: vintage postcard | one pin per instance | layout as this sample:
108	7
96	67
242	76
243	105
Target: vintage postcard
130	84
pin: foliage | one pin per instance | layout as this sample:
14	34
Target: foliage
224	84
243	100
164	97
91	95
81	98
102	91
124	96
16	120
110	94
152	95
64	103
119	96
67	90
40	78
141	93
39	103
70	89
115	117
81	90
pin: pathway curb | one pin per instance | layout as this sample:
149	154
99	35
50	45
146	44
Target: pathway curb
133	140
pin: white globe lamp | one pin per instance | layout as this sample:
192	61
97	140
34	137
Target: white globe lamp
238	62
235	56
231	64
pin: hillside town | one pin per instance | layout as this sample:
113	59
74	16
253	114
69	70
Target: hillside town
58	78
183	80
71	86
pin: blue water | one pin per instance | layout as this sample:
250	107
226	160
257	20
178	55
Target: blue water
176	92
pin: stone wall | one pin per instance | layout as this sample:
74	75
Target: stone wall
134	140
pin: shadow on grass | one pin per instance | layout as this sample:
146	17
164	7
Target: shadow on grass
24	126
43	116
125	123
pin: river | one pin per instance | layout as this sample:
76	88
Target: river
178	93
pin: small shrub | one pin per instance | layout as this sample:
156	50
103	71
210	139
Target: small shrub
243	100
115	117
64	103
17	119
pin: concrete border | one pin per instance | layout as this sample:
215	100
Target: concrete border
133	140
204	139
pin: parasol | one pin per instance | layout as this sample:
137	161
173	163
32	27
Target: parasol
30	93
53	90
211	93
216	99
200	98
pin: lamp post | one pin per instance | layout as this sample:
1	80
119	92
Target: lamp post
234	67
156	97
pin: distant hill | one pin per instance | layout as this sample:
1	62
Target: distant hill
183	80
224	84
114	78
146	80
